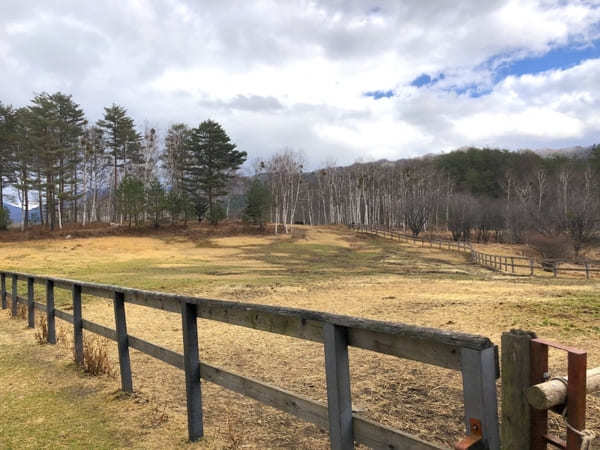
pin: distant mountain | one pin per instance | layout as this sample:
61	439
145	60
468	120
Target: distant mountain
577	151
15	213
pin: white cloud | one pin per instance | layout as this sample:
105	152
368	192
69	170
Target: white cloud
294	73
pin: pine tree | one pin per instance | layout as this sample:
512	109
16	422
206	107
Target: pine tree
7	123
212	160
258	203
122	143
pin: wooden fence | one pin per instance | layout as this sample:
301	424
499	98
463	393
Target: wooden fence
474	356
501	263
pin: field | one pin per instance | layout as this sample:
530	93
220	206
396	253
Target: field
327	269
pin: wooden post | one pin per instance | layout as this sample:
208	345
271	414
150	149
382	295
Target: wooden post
77	325
50	312
14	296
30	306
123	342
3	290
339	399
587	273
516	377
555	268
192	371
479	390
531	266
512	263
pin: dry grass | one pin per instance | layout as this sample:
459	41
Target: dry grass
95	357
41	331
327	269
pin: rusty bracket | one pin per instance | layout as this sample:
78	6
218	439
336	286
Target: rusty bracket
576	392
473	440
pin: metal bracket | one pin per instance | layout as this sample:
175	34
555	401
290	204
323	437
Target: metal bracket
576	392
474	440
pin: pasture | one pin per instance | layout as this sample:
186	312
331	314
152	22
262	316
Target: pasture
328	269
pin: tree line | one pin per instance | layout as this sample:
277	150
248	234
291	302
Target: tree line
82	172
551	202
108	171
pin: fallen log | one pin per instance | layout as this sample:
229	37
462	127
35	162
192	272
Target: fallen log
554	392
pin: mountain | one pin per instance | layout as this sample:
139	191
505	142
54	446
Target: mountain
577	151
15	213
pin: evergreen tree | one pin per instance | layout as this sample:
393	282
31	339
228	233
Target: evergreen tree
258	203
7	123
122	143
212	160
155	201
130	199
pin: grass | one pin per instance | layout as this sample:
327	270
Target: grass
327	269
45	404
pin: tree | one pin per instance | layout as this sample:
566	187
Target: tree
285	178
175	156
155	201
258	203
7	134
123	144
130	199
212	161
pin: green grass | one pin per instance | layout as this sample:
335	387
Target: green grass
38	413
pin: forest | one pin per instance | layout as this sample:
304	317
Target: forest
62	169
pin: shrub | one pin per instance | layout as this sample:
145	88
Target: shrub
4	219
551	247
216	214
95	357
41	332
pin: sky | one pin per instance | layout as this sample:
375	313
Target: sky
339	81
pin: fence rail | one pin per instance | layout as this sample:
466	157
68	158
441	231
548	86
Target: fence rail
501	263
474	356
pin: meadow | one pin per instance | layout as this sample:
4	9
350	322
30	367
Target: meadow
45	399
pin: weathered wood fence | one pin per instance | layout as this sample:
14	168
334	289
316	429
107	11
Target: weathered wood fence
518	265
474	356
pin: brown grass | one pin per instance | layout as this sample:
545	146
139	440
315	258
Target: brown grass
327	269
41	331
21	312
95	357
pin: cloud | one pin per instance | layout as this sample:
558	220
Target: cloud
306	74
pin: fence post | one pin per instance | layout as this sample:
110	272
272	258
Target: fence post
339	399
30	307
516	377
50	311
192	370
479	389
555	268
123	342
587	277
3	290
77	325
512	263
14	296
531	265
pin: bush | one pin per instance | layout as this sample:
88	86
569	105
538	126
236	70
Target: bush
552	247
4	219
216	214
41	333
95	357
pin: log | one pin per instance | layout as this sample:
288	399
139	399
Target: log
554	392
